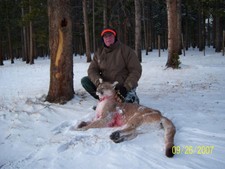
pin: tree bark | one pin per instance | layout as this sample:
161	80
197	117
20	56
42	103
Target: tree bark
218	28
25	55
150	25
1	56
10	45
31	52
173	43
105	22
93	25
179	22
218	34
60	43
145	27
10	53
186	33
200	27
86	32
138	29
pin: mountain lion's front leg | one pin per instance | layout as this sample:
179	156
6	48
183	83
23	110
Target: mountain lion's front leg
100	123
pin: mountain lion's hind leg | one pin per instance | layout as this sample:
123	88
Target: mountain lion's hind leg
129	132
119	136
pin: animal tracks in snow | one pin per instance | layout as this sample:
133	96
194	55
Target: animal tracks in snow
62	127
89	142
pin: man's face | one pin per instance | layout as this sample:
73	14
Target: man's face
109	39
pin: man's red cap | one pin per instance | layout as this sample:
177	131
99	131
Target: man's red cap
108	31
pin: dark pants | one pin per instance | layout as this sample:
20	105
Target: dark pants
89	86
91	89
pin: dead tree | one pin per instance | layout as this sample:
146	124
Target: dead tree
60	43
173	34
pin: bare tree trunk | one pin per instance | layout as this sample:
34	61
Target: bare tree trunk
60	43
31	52
150	25
218	34
138	28
200	27
218	27
125	31
173	44
86	32
93	29
105	22
31	55
179	22
25	55
145	27
159	45
208	32
10	45
186	29
28	44
222	45
10	52
34	47
1	56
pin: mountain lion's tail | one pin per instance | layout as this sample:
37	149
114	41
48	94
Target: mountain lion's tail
170	131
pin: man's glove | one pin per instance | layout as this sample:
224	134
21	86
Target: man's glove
121	92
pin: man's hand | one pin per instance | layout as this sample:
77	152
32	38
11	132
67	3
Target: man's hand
121	93
121	90
119	98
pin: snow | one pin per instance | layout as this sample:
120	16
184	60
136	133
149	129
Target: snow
37	134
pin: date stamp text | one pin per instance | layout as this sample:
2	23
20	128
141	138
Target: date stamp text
202	149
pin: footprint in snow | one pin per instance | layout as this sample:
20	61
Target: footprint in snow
62	127
75	141
90	144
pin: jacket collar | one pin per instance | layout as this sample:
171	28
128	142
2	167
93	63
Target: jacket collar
112	47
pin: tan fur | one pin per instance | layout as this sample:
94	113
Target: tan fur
131	116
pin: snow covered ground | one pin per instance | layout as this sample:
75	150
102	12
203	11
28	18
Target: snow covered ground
36	134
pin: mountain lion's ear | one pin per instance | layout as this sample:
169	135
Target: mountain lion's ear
114	84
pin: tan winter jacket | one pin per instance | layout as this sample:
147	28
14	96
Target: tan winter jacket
116	63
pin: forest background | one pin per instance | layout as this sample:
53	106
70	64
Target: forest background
24	27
